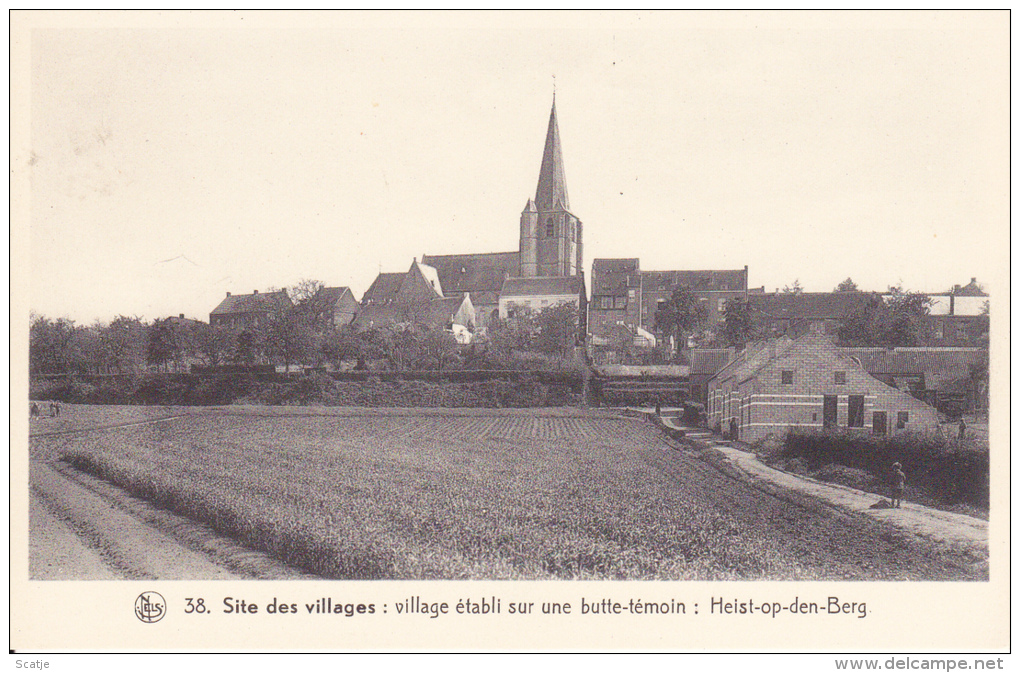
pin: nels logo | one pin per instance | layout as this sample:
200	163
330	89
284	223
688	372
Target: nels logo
150	607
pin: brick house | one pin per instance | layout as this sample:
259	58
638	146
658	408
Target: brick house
623	294
808	382
249	311
792	314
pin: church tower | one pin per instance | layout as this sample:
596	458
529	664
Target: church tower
550	234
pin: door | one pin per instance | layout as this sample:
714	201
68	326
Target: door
879	422
829	411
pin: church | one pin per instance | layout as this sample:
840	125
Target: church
546	269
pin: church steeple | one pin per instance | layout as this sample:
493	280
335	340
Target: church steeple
550	235
552	183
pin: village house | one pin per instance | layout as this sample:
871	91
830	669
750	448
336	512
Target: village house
808	383
795	313
538	293
953	380
249	311
415	297
623	294
340	304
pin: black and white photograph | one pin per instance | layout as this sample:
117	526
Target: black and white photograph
544	331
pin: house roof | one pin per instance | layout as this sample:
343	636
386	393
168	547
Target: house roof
376	315
234	304
475	273
430	275
442	310
543	285
710	360
809	305
384	288
615	276
333	294
939	366
703	281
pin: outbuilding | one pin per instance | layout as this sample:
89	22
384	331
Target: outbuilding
808	382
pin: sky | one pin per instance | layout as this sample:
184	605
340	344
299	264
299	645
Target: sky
171	158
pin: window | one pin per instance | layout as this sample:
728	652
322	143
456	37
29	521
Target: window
607	303
630	293
787	377
856	412
550	228
621	302
722	305
573	234
839	378
902	418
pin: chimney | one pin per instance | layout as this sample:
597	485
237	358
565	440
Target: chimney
228	294
182	316
973	279
255	292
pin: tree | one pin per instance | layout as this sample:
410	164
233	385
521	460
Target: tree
439	348
213	343
680	315
312	304
51	345
288	337
124	342
162	347
557	329
898	320
516	332
344	344
847	285
795	288
740	324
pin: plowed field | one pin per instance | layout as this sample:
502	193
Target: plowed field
522	494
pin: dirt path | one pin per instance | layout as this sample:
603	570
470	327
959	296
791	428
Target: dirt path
925	522
83	535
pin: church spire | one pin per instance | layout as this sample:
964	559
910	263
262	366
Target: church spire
552	183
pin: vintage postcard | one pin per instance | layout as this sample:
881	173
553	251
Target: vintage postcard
313	349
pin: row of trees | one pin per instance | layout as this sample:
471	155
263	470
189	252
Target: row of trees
302	333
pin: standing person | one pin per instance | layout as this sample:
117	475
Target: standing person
963	427
33	410
734	431
899	481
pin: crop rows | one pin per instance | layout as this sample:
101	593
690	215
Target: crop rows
506	496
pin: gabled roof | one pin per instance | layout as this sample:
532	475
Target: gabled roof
376	315
476	273
256	302
810	305
939	366
710	360
543	285
331	295
384	288
552	182
698	281
442	310
430	275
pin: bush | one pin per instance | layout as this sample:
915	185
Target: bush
939	470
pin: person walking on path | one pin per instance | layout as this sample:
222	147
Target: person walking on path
899	481
963	427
